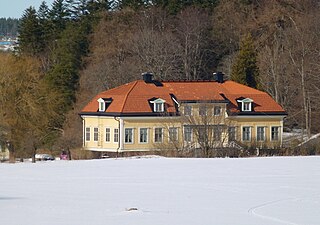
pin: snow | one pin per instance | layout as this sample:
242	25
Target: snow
162	191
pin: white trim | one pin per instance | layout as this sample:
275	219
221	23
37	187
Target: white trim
279	133
154	135
191	137
246	100
139	133
178	104
250	135
94	134
184	111
121	134
105	134
158	101
114	136
130	143
85	134
264	134
214	111
169	139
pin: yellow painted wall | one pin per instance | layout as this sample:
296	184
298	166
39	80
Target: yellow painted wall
266	122
101	123
150	124
165	122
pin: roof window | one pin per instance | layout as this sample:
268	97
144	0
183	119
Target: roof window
246	104
104	103
158	105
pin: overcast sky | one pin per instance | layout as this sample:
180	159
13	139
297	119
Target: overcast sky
15	8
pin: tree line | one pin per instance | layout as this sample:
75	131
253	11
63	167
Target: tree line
82	47
9	27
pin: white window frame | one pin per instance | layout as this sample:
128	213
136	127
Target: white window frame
235	133
116	135
246	102
217	133
96	134
154	135
214	110
132	135
258	138
278	136
184	134
156	103
105	134
147	135
87	133
187	112
176	134
242	133
201	108
102	104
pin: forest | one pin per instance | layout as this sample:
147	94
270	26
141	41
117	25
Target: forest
73	49
9	27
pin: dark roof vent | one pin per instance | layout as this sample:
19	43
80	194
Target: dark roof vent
147	77
218	76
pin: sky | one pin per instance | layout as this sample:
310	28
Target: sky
15	8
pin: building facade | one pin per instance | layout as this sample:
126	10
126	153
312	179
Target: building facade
149	115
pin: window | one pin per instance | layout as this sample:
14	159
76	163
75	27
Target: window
173	133
187	110
128	135
260	133
275	133
158	105
104	103
217	110
108	131
246	106
202	134
143	135
87	133
102	106
116	135
202	110
188	134
217	133
96	134
232	133
158	134
246	133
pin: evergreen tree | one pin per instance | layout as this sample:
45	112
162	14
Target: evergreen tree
59	16
30	33
134	4
245	69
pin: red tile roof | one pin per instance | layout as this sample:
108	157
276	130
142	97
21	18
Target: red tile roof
134	97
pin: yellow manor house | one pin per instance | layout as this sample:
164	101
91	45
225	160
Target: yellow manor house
149	115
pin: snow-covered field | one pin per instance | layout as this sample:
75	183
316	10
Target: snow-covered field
165	191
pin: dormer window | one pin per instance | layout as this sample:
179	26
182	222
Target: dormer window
158	105
104	103
246	104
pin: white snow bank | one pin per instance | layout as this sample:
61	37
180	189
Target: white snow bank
162	191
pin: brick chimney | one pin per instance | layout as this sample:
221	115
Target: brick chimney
147	77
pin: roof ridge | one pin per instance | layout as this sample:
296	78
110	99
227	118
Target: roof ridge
126	97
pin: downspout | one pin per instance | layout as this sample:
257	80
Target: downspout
83	131
120	140
118	120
